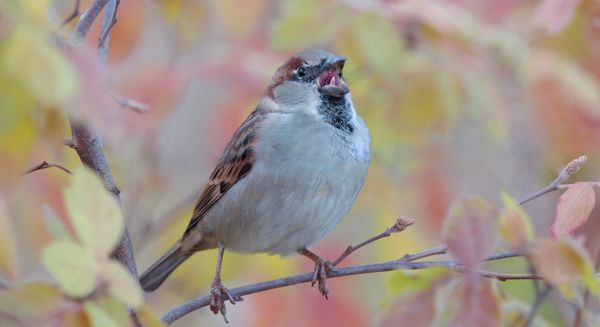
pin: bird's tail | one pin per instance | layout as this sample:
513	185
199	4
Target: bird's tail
163	267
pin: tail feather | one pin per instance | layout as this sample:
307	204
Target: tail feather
152	278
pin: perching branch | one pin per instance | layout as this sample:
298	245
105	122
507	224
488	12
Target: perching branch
407	262
44	165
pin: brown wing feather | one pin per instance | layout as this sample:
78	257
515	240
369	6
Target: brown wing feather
235	163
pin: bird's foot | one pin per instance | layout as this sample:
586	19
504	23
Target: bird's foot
322	267
218	295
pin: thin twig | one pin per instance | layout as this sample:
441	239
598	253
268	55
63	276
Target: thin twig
571	168
108	24
45	164
134	105
401	264
73	14
85	22
400	225
442	249
539	299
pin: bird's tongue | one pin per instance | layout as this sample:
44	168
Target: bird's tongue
329	78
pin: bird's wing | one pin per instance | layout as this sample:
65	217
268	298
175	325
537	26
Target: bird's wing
235	163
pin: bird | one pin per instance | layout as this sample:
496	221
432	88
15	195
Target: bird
288	175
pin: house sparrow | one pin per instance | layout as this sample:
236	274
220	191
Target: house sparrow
291	171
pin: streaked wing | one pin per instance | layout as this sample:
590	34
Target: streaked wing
235	163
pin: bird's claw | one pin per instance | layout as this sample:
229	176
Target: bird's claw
322	267
218	295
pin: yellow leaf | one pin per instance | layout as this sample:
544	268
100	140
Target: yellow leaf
50	77
121	284
561	262
97	316
32	299
379	42
147	317
72	265
304	23
115	309
8	252
94	212
515	226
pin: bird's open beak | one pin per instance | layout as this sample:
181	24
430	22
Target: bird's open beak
330	81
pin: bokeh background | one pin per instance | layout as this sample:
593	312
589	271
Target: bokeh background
462	97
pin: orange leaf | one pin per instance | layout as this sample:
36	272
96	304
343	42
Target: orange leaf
561	262
573	209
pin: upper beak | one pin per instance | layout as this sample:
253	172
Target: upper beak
334	62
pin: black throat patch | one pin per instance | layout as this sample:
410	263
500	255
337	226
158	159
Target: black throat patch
336	111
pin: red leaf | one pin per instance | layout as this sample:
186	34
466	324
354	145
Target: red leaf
470	231
573	209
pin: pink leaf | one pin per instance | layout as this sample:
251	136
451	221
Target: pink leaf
573	209
554	15
470	231
475	305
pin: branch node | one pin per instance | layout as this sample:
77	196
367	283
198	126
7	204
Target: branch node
401	224
571	168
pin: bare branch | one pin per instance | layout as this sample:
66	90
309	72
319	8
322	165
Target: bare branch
134	105
400	225
44	165
571	168
110	19
539	299
73	14
85	22
87	142
401	264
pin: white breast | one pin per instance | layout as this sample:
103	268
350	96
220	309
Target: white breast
306	178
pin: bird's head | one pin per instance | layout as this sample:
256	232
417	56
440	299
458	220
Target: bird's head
306	75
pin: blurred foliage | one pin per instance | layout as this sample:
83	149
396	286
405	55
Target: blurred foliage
461	97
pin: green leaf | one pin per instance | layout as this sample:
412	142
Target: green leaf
94	212
72	265
97	316
515	225
121	284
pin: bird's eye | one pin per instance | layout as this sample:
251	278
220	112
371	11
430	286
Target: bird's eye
301	71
